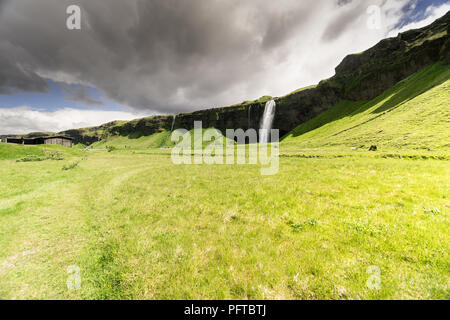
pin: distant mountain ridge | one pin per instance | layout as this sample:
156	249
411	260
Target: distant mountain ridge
358	77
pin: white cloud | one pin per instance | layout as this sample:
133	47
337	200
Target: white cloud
22	120
310	58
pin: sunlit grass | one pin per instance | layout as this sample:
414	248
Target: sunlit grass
140	227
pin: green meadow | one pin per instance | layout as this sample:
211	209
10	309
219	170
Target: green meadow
140	227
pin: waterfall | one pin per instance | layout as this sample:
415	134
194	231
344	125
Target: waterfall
267	121
173	122
249	117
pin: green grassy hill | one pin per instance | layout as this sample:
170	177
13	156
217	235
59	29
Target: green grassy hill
15	151
414	114
9	151
156	140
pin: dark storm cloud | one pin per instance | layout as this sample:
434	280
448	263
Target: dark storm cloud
2	3
343	2
162	55
344	20
16	74
80	95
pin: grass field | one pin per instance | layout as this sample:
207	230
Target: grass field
139	227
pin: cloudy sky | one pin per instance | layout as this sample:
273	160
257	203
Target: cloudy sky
140	57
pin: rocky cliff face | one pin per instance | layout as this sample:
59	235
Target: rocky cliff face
359	77
366	75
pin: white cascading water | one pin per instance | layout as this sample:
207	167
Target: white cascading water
267	121
249	116
173	122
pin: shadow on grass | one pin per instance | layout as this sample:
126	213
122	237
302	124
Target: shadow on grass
414	86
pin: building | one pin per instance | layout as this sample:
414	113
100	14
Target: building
60	140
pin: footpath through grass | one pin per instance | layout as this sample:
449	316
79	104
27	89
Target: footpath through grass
138	226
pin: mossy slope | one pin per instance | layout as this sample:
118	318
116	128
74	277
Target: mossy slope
414	114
